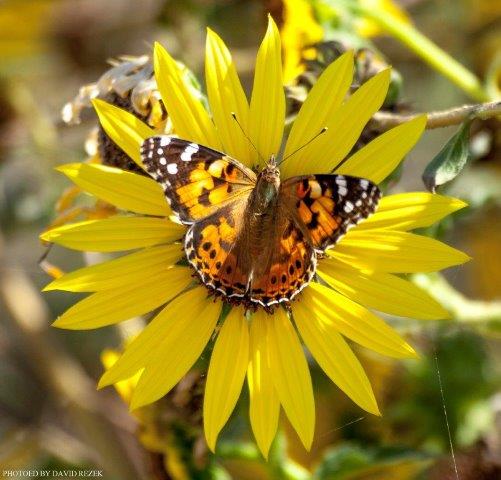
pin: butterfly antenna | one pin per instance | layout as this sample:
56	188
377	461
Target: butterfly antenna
233	114
307	143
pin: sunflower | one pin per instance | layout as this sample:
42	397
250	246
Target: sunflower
363	272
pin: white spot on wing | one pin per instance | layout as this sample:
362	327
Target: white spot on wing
341	181
163	161
348	206
189	151
172	168
316	190
164	141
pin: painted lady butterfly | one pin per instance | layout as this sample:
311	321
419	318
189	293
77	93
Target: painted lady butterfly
253	239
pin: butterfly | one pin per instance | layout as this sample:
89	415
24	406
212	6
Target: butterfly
253	239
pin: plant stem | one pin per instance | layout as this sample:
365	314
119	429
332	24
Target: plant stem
428	51
463	309
444	118
279	466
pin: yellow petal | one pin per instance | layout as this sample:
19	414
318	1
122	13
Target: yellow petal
355	322
226	375
334	355
125	129
226	96
115	234
185	339
139	296
117	273
382	291
396	252
144	349
125	388
291	376
189	117
264	406
267	106
125	190
380	157
325	152
407	211
320	106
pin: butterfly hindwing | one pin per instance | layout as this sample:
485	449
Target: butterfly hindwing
289	267
212	248
196	179
328	205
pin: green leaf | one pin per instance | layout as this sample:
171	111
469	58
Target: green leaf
450	161
352	462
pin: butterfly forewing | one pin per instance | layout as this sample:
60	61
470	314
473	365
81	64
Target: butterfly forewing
326	206
197	180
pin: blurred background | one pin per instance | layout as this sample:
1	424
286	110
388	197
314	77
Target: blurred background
51	416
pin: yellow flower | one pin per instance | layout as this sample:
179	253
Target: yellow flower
25	28
362	272
300	30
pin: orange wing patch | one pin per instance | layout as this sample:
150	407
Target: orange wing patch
203	191
316	209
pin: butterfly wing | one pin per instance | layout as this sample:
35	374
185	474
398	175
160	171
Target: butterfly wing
313	212
326	206
208	190
287	264
197	180
215	248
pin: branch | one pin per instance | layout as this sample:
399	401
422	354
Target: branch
445	118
